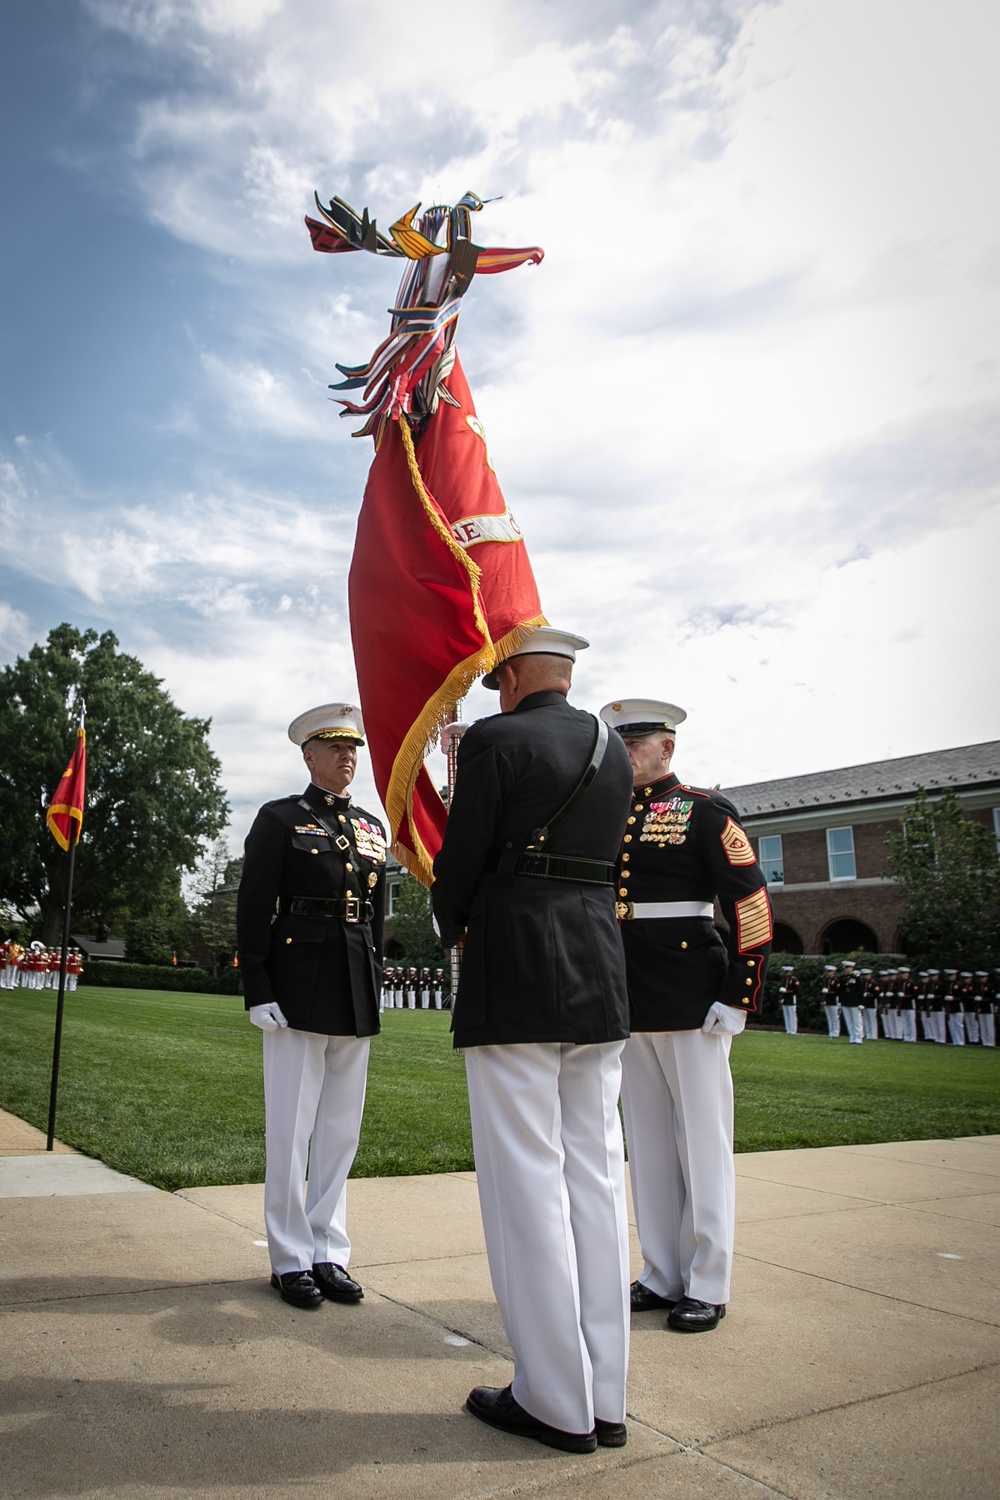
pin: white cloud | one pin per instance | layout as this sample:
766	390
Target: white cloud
745	411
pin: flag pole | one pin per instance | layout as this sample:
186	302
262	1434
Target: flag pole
451	737
65	820
62	994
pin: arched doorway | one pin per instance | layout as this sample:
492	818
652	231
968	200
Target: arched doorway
786	939
848	935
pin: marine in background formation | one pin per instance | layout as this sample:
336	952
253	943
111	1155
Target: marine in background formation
788	989
832	986
851	1003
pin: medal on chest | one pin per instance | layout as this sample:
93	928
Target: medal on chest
368	841
667	822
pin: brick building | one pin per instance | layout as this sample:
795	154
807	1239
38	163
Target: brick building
821	841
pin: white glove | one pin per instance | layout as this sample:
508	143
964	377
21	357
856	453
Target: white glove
268	1017
724	1018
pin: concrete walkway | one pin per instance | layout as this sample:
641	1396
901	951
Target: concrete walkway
143	1354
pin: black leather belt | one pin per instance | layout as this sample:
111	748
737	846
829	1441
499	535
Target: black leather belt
557	867
348	908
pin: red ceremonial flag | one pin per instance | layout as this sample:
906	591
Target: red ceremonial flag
67	802
440	586
440	589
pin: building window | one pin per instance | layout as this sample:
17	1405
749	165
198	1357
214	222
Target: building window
392	896
840	853
996	826
769	854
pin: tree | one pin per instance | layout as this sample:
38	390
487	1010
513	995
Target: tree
412	927
153	793
948	876
213	916
155	934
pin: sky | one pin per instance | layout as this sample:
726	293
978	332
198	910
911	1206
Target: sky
745	411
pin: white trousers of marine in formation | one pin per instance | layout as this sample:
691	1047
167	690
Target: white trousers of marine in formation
314	1097
871	1023
908	1025
956	1027
551	1173
832	1019
677	1098
854	1023
972	1026
987	1029
791	1017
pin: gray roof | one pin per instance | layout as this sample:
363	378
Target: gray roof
965	768
91	948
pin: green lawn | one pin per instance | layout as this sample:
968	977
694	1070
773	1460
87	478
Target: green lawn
167	1087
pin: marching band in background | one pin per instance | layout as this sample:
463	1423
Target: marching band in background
36	967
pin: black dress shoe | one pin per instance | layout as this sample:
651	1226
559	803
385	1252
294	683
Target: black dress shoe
334	1282
643	1300
610	1434
691	1316
499	1409
298	1288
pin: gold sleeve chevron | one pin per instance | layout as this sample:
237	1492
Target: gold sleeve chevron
738	848
753	921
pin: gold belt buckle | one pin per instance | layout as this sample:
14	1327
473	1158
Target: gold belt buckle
352	907
624	910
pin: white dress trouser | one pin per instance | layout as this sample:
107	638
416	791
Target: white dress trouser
832	1019
956	1027
677	1097
871	1023
550	1167
314	1097
987	1029
972	1026
908	1025
854	1023
791	1018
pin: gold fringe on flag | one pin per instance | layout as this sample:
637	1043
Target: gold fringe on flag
440	709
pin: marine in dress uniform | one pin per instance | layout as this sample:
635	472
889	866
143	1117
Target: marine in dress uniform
924	1005
309	922
542	1014
690	991
954	1008
987	1016
937	993
852	997
971	1007
832	986
788	989
869	1003
909	989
